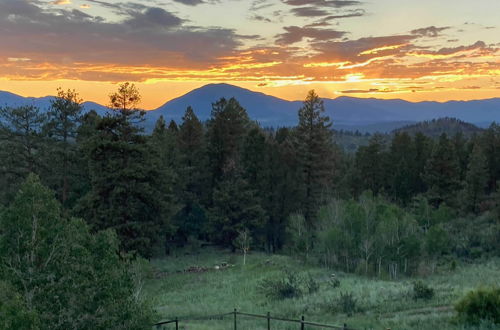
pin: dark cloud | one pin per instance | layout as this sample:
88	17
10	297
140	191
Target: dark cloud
145	35
153	17
295	34
448	51
326	21
430	31
323	3
260	18
348	14
309	12
190	2
260	4
359	91
357	51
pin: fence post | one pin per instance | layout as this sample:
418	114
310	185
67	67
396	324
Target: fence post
235	312
268	321
176	323
302	326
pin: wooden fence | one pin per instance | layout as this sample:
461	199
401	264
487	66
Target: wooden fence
234	314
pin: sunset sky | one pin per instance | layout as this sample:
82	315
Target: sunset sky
415	50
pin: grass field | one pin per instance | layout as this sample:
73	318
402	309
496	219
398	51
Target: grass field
382	304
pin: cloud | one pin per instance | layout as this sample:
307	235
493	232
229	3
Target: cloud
295	34
363	49
260	4
325	21
322	3
190	2
430	31
150	36
309	12
153	17
61	2
479	47
260	18
149	43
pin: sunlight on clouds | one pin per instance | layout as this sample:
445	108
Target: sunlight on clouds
61	2
354	77
380	49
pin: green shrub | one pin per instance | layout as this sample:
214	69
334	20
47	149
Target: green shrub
311	284
347	304
422	291
288	285
480	305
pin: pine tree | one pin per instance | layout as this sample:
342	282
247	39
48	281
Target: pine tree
130	191
235	207
63	120
314	149
21	144
403	173
423	150
476	180
283	195
193	177
442	173
227	129
371	163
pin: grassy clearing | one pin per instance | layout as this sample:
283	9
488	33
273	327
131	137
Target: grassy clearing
383	304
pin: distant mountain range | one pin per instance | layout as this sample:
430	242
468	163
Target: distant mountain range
348	113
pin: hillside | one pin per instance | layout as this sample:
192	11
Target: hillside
437	127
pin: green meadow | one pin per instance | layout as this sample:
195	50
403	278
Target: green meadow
188	285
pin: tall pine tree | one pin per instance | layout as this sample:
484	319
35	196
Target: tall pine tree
314	151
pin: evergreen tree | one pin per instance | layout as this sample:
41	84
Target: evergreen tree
490	141
371	163
63	121
191	220
234	204
227	129
403	173
476	180
442	174
314	151
130	191
235	208
21	144
423	150
283	194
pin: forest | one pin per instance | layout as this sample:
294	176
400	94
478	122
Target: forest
87	200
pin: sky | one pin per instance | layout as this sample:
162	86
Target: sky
410	49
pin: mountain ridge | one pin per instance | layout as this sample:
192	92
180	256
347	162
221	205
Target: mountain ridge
346	111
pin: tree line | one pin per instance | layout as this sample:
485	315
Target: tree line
385	208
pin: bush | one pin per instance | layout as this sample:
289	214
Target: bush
288	285
347	303
311	284
422	291
480	305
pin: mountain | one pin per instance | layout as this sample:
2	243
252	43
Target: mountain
347	113
13	100
267	110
